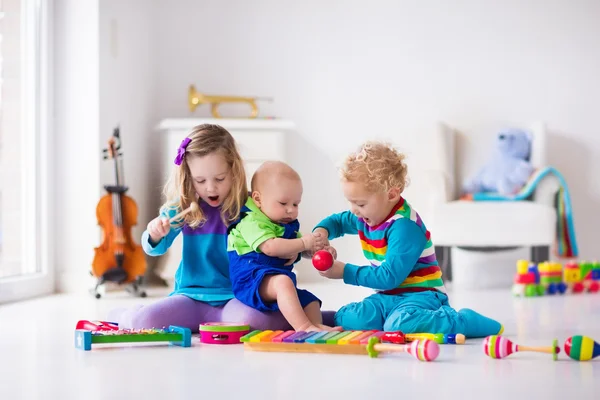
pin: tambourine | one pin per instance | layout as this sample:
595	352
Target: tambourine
222	332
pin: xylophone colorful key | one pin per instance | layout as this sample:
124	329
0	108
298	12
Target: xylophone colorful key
346	342
582	348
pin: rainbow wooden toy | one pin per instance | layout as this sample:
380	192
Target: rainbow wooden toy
345	342
398	337
439	338
581	348
175	335
222	332
500	347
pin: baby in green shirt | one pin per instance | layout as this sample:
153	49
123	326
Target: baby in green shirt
266	242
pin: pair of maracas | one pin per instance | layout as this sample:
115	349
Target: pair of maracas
579	347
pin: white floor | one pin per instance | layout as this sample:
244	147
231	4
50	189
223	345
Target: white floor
38	359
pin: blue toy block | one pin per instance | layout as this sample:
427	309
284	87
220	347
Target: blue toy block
596	274
561	287
83	339
551	289
533	268
186	336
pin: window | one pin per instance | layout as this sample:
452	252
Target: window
25	267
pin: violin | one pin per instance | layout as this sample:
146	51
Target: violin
118	258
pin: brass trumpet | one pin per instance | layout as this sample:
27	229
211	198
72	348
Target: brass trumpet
196	98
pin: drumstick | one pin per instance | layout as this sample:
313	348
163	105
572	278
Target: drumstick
192	207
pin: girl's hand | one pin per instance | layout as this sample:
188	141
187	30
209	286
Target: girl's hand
158	228
335	272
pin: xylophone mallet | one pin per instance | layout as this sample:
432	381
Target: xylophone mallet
192	207
439	338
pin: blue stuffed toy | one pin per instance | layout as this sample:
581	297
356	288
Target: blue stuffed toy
508	170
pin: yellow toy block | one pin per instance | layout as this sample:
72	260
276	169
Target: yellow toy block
555	267
572	275
522	267
544	267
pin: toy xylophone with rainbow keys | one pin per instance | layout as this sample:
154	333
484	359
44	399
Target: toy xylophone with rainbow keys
336	342
175	335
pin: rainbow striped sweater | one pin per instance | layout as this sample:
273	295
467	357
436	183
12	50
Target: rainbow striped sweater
399	249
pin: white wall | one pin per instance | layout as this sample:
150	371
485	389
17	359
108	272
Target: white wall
347	71
128	98
104	77
76	128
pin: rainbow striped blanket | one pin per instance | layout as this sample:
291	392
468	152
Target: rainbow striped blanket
566	240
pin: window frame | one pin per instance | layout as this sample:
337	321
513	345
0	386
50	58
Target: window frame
38	270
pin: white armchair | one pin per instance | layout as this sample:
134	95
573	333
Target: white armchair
484	226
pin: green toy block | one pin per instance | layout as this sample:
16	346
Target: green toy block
531	291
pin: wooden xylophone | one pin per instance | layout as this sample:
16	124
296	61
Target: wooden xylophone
336	342
84	338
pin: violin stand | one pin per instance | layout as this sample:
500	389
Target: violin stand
134	288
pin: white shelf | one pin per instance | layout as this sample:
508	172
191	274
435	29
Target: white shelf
249	124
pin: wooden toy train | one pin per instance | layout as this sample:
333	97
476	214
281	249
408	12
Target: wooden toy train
548	278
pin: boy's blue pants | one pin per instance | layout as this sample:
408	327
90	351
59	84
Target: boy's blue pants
420	312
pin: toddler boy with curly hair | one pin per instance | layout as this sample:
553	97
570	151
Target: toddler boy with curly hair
409	292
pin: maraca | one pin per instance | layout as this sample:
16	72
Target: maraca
322	260
500	347
582	348
422	350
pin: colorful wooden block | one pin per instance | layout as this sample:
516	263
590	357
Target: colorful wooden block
522	267
572	275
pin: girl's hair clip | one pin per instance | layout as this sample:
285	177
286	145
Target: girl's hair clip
181	150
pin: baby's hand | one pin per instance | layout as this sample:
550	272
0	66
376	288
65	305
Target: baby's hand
290	259
309	242
158	228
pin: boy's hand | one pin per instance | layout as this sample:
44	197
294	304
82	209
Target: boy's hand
335	272
312	242
319	241
322	234
158	228
332	250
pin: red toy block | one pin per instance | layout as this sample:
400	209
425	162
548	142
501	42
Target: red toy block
525	279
